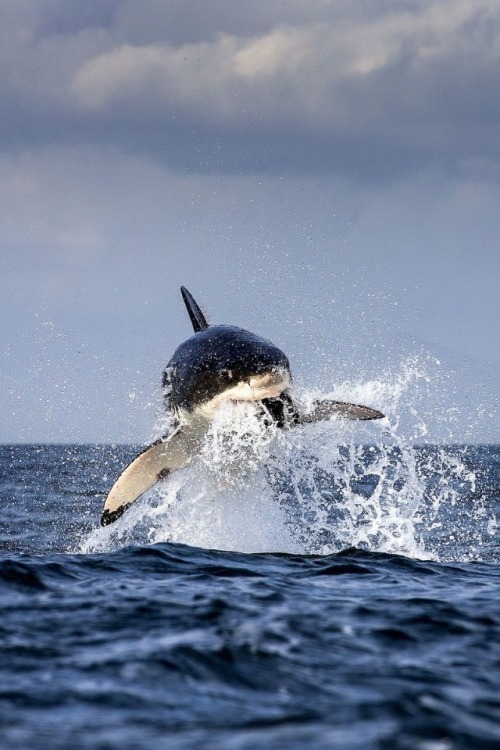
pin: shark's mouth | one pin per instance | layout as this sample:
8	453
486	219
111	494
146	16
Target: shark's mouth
255	388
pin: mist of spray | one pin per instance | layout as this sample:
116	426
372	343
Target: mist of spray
320	488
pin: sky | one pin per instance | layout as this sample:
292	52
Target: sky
324	173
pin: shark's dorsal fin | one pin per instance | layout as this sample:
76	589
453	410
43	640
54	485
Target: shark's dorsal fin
197	318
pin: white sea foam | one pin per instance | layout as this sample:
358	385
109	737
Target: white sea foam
315	489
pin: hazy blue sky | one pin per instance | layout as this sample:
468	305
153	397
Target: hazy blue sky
323	172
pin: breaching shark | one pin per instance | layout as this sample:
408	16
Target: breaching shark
220	363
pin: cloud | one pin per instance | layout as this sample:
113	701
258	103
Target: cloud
337	88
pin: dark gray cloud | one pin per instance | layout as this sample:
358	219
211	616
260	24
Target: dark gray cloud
370	89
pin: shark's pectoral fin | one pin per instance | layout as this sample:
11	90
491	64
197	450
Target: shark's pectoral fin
155	463
323	410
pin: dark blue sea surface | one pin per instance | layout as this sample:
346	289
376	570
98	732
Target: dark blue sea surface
124	638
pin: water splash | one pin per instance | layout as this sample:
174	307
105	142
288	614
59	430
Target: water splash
320	488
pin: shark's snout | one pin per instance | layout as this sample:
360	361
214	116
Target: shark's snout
269	385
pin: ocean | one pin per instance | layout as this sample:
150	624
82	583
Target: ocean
333	595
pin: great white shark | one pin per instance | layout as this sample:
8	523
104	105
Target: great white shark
219	363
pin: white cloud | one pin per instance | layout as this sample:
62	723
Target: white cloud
46	203
325	74
386	88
